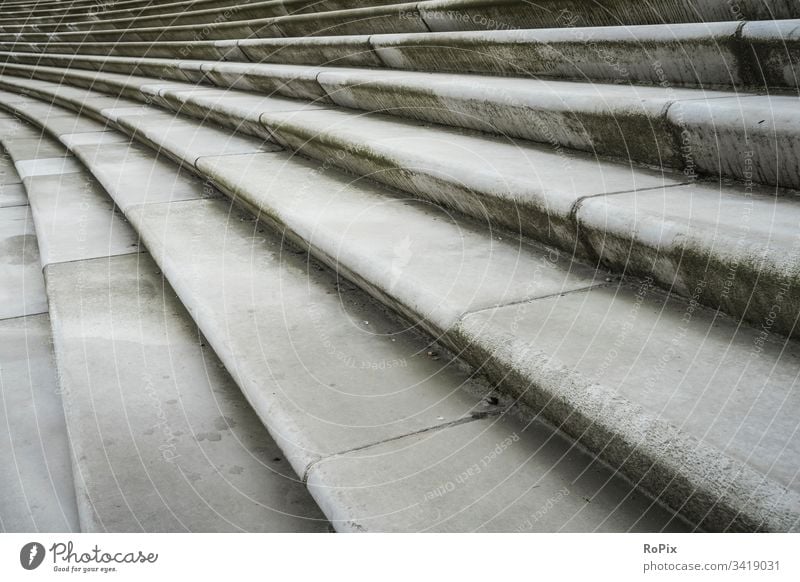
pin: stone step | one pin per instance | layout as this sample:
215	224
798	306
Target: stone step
751	54
363	379
441	16
736	242
36	484
744	136
78	12
739	54
229	13
616	399
161	437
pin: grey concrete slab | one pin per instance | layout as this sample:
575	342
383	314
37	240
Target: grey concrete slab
12	195
423	261
93	138
623	121
32	148
396	18
75	219
163	439
361	377
493	474
45	166
56	119
446	15
36	484
526	188
755	139
21	285
8	174
732	247
230	109
288	80
610	53
185	140
776	46
697	409
339	51
133	176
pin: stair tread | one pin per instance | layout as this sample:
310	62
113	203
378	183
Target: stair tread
36	490
185	453
414	396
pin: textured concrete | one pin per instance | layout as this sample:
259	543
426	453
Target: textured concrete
662	388
753	139
36	485
496	474
339	51
528	189
605	53
421	260
360	377
736	248
724	475
60	195
445	15
21	287
705	132
163	439
610	120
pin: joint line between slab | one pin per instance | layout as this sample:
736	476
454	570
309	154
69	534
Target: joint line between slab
473	417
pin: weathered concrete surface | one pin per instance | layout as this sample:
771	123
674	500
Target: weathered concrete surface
623	121
74	218
701	470
137	177
163	439
526	188
423	261
754	139
610	53
735	248
661	126
697	409
184	140
21	287
12	192
360	377
760	53
444	15
494	474
36	485
221	106
339	51
775	45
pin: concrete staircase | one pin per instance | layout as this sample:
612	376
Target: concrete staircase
472	264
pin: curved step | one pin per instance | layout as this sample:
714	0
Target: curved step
36	484
741	54
228	13
697	132
440	16
736	242
161	437
744	487
415	402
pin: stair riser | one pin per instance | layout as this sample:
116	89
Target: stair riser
651	452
